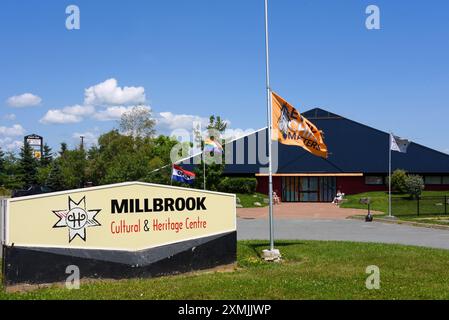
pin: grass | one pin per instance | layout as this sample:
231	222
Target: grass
247	200
437	219
379	201
310	270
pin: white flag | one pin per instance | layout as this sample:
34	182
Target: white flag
399	144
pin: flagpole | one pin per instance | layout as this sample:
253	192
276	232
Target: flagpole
204	171
269	115
389	176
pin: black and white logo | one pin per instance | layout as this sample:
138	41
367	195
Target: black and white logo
77	218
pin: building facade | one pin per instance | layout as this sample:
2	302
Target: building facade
357	162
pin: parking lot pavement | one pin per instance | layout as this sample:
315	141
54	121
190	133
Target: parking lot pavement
343	230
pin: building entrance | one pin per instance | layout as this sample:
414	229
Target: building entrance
308	189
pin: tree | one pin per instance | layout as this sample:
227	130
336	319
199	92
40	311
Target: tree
28	165
2	167
63	149
73	166
138	123
214	171
47	156
415	185
399	181
55	180
119	158
12	178
217	124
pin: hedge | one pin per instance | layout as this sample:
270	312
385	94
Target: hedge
238	185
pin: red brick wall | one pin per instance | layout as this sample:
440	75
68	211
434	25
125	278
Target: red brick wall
442	187
354	185
262	185
347	185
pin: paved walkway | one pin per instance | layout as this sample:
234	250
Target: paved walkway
301	211
343	230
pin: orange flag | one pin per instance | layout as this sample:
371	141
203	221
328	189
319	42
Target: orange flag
290	128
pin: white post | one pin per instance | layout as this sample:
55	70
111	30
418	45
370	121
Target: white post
269	114
389	176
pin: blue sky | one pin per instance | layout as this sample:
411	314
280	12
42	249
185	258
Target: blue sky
201	57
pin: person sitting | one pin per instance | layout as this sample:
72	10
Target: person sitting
338	198
276	199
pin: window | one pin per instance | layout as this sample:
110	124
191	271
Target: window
446	180
374	180
432	179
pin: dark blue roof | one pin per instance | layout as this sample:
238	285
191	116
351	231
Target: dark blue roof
353	148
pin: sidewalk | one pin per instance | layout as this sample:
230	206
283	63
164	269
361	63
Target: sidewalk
307	211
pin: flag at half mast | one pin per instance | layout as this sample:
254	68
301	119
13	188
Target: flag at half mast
291	128
398	144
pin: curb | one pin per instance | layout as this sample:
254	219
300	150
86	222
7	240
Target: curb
407	223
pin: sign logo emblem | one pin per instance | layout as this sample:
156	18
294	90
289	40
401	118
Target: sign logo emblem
77	218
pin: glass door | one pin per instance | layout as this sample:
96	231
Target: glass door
309	189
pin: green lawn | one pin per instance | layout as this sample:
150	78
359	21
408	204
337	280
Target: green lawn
247	200
431	219
379	202
310	270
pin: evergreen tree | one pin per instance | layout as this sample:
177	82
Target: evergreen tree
55	179
2	167
28	165
63	149
47	156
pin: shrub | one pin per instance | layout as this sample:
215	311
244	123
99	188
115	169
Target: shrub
399	181
4	192
415	185
238	185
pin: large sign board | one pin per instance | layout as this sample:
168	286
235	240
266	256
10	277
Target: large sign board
108	222
36	143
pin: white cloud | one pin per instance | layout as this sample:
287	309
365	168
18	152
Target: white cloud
24	100
111	113
110	94
115	113
9	144
70	114
57	116
79	110
171	121
8	137
14	131
9	117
